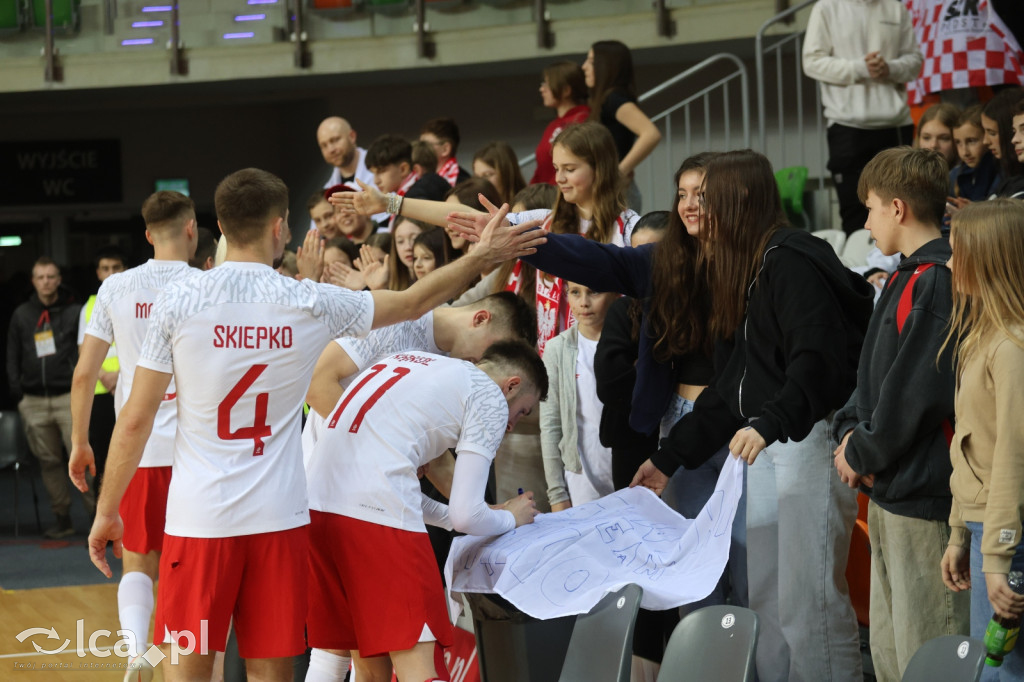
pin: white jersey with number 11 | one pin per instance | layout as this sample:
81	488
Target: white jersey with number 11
398	415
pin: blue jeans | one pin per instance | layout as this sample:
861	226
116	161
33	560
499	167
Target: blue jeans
1012	669
799	520
687	492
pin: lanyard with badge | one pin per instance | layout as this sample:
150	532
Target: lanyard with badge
44	336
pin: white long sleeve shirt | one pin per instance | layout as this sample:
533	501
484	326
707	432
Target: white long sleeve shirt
364	464
840	33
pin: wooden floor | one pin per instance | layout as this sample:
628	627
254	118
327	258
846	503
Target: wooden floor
60	608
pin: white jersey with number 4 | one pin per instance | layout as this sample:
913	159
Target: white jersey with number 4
403	412
242	341
121	315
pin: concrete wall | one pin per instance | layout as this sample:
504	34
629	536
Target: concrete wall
203	130
361	43
204	136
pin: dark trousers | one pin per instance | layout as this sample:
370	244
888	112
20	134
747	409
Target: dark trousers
849	150
441	539
101	427
653	628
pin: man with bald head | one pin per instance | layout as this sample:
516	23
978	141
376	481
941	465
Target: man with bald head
337	143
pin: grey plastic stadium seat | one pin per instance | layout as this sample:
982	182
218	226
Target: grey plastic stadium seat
953	658
835	238
602	640
15	455
857	247
714	643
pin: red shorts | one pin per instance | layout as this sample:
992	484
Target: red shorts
259	580
144	510
372	587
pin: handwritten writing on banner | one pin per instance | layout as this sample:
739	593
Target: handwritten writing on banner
563	563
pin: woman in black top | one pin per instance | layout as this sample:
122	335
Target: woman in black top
615	369
789	321
673	364
608	72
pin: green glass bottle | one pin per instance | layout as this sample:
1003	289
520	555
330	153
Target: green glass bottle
1001	633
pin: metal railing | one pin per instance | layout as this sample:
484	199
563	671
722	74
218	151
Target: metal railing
717	126
654	185
777	48
704	95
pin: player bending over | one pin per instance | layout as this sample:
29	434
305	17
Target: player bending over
464	333
374	587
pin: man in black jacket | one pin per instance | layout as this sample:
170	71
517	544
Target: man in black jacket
41	356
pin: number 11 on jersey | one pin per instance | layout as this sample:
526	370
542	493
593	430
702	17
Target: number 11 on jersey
374	397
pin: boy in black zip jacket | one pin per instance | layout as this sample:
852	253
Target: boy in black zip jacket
894	429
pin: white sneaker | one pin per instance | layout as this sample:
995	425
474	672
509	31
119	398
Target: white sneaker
139	670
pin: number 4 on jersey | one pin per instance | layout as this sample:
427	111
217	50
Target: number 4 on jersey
259	429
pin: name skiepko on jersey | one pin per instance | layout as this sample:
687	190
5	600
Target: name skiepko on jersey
251	337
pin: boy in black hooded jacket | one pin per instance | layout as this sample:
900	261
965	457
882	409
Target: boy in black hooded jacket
894	429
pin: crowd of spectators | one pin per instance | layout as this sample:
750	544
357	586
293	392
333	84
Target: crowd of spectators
736	333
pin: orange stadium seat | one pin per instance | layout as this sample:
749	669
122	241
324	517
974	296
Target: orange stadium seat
858	566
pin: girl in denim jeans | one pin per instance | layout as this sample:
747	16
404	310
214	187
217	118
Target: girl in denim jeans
789	322
988	447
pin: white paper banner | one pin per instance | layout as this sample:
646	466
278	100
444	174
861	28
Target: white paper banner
563	563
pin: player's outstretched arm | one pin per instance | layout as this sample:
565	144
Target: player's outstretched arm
372	201
333	366
83	387
471	223
131	432
498	242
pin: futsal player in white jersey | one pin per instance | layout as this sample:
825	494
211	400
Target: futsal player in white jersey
374	585
463	333
241	342
121	316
